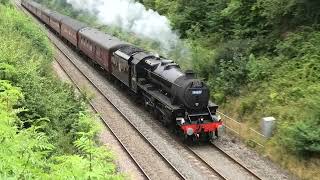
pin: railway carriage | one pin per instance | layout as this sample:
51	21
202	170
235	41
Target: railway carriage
45	15
33	7
99	46
70	29
37	9
55	21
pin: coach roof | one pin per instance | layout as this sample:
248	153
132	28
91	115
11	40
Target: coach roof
57	16
74	24
46	11
34	4
102	39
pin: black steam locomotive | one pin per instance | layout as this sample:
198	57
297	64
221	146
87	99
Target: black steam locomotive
178	99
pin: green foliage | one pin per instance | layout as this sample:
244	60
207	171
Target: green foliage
45	132
4	1
303	137
290	12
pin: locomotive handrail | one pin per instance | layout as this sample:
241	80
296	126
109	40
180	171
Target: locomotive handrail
202	114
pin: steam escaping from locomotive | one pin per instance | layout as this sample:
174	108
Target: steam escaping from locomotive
131	16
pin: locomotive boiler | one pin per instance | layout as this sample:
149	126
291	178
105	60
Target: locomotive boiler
183	88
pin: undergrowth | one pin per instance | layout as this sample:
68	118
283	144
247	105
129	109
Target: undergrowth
46	131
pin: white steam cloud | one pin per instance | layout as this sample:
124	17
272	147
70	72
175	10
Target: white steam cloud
132	17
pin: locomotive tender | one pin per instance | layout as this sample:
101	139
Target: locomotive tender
178	99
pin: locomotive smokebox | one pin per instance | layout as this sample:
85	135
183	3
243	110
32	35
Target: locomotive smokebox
192	92
184	88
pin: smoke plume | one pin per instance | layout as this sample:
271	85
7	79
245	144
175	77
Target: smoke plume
132	17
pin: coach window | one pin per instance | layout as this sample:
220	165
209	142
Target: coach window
90	46
98	52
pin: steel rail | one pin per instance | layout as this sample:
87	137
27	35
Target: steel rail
236	162
123	146
205	162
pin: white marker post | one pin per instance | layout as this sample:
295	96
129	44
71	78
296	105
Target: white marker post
267	126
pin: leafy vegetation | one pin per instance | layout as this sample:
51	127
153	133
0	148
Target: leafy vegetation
45	129
259	57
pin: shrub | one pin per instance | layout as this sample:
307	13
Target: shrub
303	136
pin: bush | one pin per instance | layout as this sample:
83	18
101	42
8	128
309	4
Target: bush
4	2
229	72
303	137
259	69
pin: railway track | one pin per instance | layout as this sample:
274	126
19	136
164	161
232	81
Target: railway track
203	152
124	147
209	168
236	162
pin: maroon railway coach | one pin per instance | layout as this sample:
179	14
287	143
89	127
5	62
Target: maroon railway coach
55	21
37	9
45	15
32	7
70	29
99	46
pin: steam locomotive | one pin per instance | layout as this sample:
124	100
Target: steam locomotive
178	99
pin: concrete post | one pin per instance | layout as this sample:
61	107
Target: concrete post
267	126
